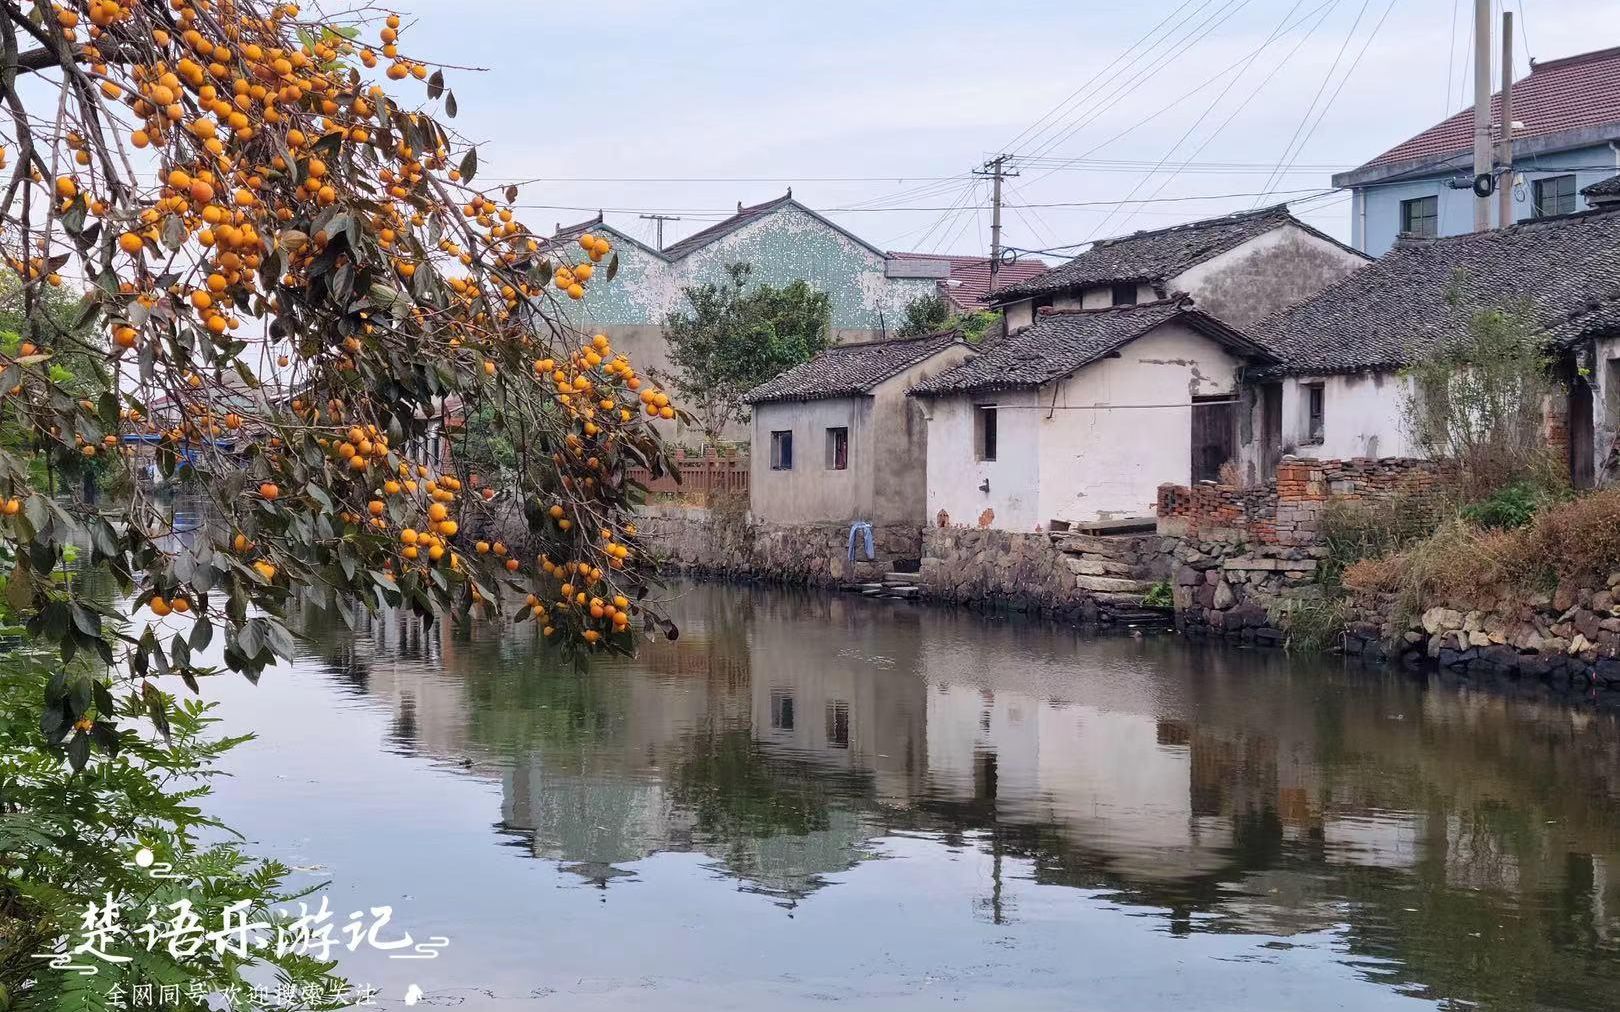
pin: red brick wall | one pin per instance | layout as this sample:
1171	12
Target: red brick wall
1287	510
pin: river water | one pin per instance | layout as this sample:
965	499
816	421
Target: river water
812	799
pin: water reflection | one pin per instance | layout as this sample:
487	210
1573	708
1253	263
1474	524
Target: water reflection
1458	846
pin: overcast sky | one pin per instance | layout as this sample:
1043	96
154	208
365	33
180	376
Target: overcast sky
667	106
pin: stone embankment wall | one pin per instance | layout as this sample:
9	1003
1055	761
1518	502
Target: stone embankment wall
1073	576
1570	636
1247	557
729	544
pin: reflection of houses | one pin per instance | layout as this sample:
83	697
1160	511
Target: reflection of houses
783	736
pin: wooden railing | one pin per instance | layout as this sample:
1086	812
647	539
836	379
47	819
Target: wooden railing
703	473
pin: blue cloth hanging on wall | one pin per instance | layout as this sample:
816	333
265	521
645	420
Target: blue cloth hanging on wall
857	529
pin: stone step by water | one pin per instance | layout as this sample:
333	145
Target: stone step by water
902	579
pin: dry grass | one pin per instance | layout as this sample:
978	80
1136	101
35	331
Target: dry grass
1577	540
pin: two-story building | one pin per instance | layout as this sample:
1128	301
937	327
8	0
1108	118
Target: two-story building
1239	267
782	240
1566	136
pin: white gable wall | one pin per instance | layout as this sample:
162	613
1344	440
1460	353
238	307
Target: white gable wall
1123	426
1117	430
1364	415
954	475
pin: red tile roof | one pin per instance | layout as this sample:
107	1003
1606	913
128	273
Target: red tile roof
1567	94
972	277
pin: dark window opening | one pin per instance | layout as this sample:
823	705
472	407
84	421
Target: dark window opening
1421	217
1124	294
1555	195
838	724
984	431
1316	412
782	710
782	450
1037	304
837	449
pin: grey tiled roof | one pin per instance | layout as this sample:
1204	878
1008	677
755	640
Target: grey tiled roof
848	370
1156	256
1059	343
1603	188
1419	294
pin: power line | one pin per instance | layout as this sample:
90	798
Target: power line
1180	47
1275	32
1173	104
955	207
1334	66
1343	81
1055	110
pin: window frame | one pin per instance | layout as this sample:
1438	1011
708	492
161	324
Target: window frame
1407	217
1538	186
838	723
781	449
1121	288
837	448
1315	414
985	433
783	710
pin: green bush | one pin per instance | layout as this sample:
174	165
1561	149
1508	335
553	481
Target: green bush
1159	596
69	839
1508	508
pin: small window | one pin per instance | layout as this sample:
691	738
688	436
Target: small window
984	431
1316	417
781	710
1125	294
838	724
1555	195
1421	217
782	450
1039	303
837	448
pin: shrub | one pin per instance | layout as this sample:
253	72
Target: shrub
67	839
1577	539
1508	507
1354	531
1159	596
1314	626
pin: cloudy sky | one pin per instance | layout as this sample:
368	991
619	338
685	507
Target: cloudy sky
875	112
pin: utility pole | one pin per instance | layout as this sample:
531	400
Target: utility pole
660	219
996	169
1504	149
1482	111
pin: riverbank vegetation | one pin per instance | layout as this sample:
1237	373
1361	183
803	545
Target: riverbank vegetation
1498	520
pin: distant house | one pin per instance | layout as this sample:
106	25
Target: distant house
1604	194
1240	268
965	286
1082	415
837	440
1339	392
1569	111
783	240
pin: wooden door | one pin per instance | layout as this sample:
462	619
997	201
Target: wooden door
1214	437
1581	462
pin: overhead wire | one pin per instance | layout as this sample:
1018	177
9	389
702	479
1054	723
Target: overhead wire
1326	78
1089	81
1196	123
1366	43
1112	98
1174	103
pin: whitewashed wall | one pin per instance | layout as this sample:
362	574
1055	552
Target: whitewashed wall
1123	426
1364	415
954	475
1097	447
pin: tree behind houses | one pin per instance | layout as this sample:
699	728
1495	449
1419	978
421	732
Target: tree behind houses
733	337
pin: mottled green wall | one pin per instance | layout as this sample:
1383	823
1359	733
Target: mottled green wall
783	246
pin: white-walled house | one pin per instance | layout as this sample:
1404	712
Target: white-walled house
836	439
1340	391
1241	268
1083	415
